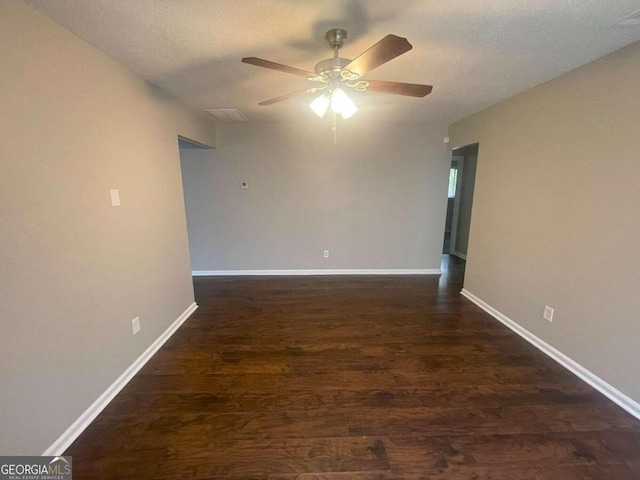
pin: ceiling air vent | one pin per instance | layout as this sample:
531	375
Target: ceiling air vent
227	114
632	20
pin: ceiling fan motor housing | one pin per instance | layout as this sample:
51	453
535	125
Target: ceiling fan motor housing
331	66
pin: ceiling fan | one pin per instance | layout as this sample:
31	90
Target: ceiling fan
336	73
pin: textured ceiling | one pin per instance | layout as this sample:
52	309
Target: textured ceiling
474	52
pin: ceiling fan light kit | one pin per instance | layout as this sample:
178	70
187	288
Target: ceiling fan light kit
338	74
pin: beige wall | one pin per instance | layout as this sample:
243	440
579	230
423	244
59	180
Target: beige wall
74	270
556	213
377	200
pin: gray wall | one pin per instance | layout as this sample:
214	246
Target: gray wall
467	185
449	220
377	200
555	215
74	270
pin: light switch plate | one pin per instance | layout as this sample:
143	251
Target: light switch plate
135	325
115	198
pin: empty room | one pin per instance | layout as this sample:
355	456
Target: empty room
222	230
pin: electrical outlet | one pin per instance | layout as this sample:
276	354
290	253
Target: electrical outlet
135	325
326	254
548	313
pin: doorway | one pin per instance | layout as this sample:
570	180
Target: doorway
192	162
462	177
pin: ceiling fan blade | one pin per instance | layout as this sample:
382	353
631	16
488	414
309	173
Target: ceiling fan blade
386	49
288	96
398	88
259	62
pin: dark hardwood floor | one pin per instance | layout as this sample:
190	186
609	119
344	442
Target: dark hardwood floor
363	378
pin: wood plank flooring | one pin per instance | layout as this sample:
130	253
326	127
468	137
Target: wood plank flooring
359	378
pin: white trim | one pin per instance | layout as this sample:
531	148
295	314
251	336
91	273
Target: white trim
459	255
67	438
366	271
596	382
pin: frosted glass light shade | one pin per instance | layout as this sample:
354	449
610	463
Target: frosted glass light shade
320	105
349	109
342	104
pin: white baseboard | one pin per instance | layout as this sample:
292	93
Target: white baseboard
596	382
458	254
367	271
82	422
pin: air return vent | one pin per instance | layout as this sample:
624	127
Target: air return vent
227	114
632	20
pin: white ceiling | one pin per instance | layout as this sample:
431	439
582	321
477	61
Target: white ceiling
474	52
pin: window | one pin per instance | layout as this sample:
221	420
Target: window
453	180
